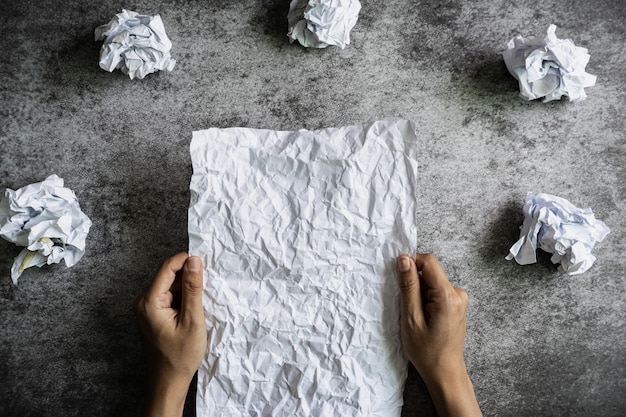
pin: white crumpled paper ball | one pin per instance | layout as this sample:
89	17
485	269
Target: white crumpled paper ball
136	44
46	218
549	67
320	23
557	226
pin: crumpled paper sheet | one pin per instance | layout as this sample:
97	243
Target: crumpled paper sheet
557	226
299	232
136	44
320	23
548	67
46	218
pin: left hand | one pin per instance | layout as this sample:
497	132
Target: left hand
171	318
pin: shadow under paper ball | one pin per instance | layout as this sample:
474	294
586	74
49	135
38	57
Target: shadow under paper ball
483	74
503	231
501	235
271	19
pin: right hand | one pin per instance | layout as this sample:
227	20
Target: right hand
433	316
433	323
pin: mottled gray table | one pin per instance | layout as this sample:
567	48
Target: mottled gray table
539	343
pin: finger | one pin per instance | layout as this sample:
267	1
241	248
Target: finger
463	298
191	301
138	305
166	275
433	275
410	296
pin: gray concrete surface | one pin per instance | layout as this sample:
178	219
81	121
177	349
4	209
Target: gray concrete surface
538	344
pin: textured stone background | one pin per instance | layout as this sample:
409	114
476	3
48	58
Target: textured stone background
538	344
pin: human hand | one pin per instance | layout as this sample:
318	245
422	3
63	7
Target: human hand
171	318
433	326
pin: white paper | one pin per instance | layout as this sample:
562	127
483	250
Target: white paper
549	67
555	225
299	232
46	219
320	23
136	44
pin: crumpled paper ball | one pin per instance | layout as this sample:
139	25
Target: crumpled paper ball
136	44
549	67
46	218
557	226
319	23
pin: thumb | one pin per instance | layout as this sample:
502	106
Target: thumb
191	298
410	295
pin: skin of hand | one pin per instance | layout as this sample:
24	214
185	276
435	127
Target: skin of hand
433	327
171	319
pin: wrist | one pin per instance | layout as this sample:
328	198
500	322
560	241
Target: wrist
166	395
453	394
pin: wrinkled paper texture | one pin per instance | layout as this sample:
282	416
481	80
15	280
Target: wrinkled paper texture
549	67
136	44
320	23
555	225
299	232
46	219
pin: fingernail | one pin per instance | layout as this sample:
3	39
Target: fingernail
404	264
193	264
